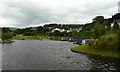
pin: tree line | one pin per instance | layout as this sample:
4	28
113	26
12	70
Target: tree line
99	27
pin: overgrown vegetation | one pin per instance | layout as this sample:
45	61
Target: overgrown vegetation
7	35
107	40
101	52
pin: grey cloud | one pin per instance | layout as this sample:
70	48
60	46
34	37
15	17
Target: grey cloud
27	13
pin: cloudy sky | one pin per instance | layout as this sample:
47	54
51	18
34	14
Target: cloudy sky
26	13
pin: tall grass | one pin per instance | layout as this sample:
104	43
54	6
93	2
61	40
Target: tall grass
106	42
89	50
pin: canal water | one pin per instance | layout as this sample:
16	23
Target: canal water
51	55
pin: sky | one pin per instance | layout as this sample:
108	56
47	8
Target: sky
27	13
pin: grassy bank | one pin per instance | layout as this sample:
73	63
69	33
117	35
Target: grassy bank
7	41
24	37
35	37
88	50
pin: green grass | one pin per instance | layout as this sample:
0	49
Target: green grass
35	37
6	41
88	50
24	37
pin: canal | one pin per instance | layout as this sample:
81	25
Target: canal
51	55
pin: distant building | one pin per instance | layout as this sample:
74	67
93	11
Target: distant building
56	29
0	40
119	7
112	24
69	30
62	30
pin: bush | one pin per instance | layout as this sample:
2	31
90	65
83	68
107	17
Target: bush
118	35
107	42
28	34
7	35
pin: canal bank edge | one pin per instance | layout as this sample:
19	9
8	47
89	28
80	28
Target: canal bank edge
86	49
7	41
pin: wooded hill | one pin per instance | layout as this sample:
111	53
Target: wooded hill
99	27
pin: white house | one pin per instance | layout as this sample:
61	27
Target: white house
56	29
70	30
62	30
0	40
112	24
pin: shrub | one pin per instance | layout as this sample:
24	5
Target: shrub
106	42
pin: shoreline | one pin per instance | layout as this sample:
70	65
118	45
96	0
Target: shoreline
7	41
19	37
85	49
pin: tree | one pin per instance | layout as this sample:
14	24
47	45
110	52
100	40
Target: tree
46	31
116	16
63	34
19	31
69	34
5	30
99	30
7	35
116	26
99	19
75	34
39	30
56	33
118	35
